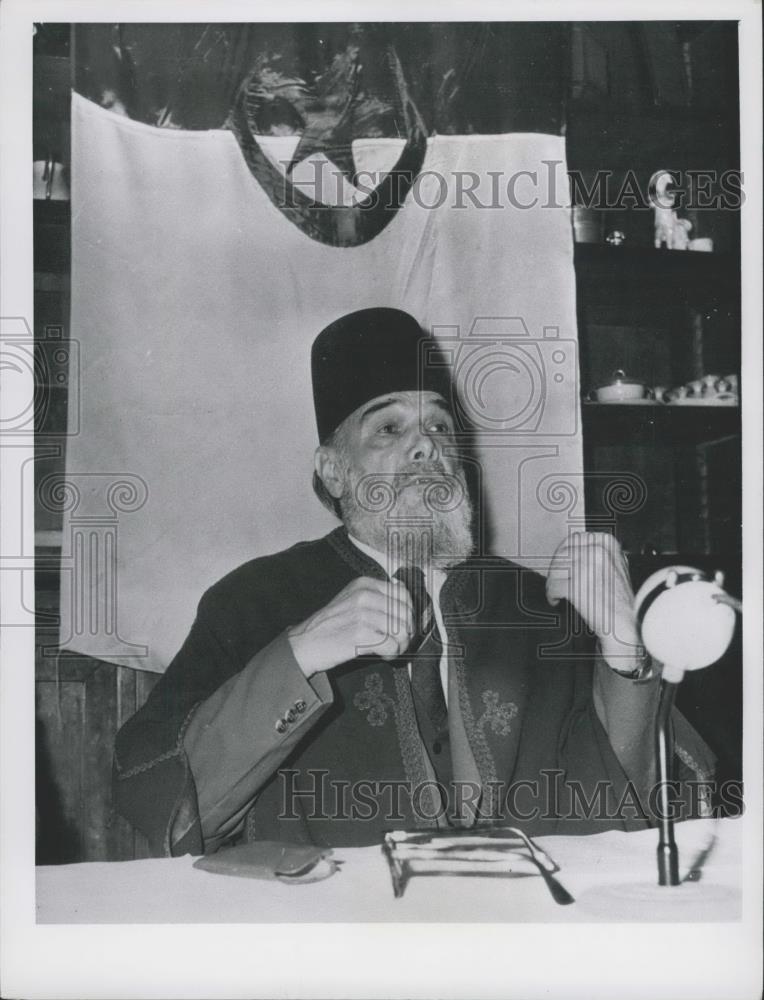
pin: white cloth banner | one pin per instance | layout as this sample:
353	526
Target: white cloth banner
195	302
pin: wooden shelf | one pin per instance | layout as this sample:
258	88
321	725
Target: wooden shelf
612	424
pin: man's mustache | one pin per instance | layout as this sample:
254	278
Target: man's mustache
441	490
421	474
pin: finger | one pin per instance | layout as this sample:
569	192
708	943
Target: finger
382	644
367	585
606	545
567	549
398	598
391	647
556	587
401	619
399	593
602	558
561	553
396	605
377	594
607	541
577	570
732	602
376	624
559	573
380	619
391	596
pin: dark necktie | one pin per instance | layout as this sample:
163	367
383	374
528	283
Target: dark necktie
425	650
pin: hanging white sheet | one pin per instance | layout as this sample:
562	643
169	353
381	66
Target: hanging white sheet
195	302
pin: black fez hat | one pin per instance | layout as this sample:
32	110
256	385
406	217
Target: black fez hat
369	353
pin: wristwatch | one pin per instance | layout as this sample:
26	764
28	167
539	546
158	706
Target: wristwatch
643	671
639	673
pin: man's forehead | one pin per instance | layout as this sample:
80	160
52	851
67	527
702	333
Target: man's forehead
409	399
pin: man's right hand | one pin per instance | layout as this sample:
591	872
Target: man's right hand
368	616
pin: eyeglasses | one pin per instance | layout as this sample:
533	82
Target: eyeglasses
493	851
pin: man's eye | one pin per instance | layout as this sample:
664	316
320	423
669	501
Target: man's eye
439	428
388	429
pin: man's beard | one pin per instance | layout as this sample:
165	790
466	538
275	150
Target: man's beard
419	516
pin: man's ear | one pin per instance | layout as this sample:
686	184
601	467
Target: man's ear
329	470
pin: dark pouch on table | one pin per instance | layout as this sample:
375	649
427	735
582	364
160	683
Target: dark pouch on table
271	859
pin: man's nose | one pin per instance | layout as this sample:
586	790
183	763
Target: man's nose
424	447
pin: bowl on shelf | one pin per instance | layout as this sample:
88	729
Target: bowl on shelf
622	389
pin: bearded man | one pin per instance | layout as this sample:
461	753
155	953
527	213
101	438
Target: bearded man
386	676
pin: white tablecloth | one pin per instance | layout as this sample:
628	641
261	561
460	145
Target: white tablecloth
613	877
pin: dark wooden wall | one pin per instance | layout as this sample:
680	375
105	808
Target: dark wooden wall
80	704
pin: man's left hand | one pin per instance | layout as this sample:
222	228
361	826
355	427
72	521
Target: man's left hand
590	571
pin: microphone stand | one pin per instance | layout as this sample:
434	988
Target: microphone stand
668	856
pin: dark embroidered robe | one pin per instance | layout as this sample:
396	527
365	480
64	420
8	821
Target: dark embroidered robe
525	725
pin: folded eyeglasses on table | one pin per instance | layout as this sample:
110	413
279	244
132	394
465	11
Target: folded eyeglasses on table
502	852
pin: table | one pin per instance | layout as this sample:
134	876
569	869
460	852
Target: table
613	877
